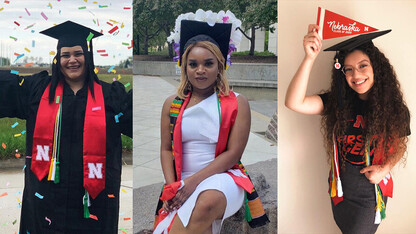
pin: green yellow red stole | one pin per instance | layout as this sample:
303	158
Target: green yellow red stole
45	151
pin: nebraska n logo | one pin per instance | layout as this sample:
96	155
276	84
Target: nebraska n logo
95	170
43	153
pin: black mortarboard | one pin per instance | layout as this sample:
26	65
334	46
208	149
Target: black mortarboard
193	31
71	34
354	42
348	46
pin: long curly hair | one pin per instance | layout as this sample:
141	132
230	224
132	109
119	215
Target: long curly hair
221	82
387	116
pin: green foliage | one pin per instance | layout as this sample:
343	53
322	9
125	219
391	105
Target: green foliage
7	137
256	53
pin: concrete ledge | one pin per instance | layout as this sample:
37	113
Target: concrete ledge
240	74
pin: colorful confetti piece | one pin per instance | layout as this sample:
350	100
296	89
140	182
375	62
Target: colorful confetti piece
104	55
14	38
3	145
81	8
124	191
44	16
3	194
125	43
21	82
14	222
17	135
1	8
97	108
27	49
17	155
96	70
28	64
110	69
93	217
102	6
119	77
127	85
126	8
128	218
27	11
29	26
16	23
100	51
38	195
14	71
23	132
33	43
52	53
15	124
47	219
111	195
113	29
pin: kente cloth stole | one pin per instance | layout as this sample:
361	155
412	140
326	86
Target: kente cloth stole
384	188
254	211
45	149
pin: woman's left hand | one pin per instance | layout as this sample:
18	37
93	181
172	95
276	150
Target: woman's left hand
183	194
375	173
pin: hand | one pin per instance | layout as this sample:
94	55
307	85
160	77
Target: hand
375	173
183	194
166	206
312	43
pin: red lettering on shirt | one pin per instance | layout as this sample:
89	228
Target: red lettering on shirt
359	122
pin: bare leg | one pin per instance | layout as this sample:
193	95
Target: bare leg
209	206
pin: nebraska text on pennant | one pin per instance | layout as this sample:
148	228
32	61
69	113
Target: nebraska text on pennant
334	25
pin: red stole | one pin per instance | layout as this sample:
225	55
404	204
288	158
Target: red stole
229	109
94	138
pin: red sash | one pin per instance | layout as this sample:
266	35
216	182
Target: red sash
229	109
94	138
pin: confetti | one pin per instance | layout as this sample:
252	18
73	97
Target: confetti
125	43
29	26
109	23
114	79
24	167
96	70
124	191
122	25
123	230
27	11
128	218
6	1
14	222
113	71
90	36
111	195
126	8
54	61
47	219
16	54
4	194
27	49
57	99
96	108
33	43
119	77
15	124
104	55
100	51
23	132
17	155
38	195
81	8
116	117
16	23
14	71
110	69
28	64
113	29
21	82
17	135
102	6
50	5
1	8
7	184
114	21
93	217
52	53
14	38
44	16
95	2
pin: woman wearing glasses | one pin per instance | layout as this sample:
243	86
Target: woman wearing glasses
365	122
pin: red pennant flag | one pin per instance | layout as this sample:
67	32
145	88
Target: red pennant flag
334	25
386	185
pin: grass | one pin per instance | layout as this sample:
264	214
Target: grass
13	143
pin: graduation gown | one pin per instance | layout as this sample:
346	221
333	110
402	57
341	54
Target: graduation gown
62	202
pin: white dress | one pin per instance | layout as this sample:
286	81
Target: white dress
200	129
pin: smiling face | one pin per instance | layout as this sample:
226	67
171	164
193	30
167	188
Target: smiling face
73	63
201	69
359	73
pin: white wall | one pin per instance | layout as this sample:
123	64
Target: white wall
273	40
303	201
259	42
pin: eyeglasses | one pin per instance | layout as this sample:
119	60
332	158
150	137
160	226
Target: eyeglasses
362	68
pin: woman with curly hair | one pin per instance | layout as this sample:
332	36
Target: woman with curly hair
365	123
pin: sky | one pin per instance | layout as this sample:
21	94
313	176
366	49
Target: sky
22	20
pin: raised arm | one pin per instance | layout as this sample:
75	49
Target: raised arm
236	143
296	98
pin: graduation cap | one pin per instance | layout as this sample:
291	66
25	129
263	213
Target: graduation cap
348	46
194	31
71	34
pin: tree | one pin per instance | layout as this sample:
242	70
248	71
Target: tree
254	15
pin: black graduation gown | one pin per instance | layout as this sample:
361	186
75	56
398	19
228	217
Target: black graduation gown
62	203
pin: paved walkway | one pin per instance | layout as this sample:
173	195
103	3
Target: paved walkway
12	181
146	130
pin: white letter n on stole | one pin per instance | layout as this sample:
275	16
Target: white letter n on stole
95	171
43	153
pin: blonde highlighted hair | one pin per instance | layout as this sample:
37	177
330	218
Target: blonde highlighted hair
221	82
